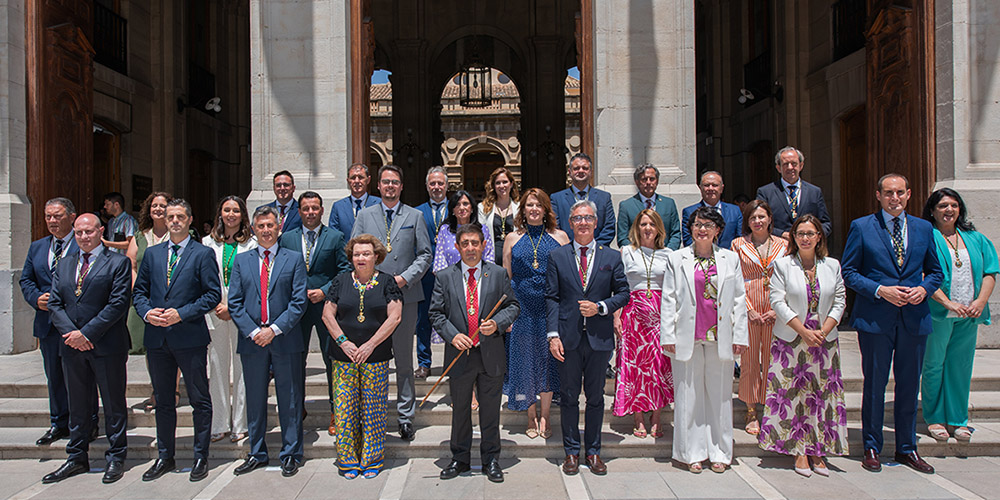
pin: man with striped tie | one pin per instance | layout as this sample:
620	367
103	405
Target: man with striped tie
791	196
435	213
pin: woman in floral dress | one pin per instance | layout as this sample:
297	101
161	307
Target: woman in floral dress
804	412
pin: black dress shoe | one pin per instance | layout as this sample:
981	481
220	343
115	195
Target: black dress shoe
289	466
421	372
406	432
870	462
68	469
251	464
913	461
199	470
160	467
493	471
454	469
114	472
52	435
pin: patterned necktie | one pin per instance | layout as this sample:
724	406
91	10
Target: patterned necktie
583	267
357	207
581	194
388	219
310	244
174	256
83	273
897	241
56	255
281	221
472	305
265	271
793	201
649	204
437	213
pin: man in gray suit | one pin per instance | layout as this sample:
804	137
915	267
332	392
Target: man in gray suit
790	196
464	294
401	228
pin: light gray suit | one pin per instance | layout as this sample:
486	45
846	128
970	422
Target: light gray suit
410	258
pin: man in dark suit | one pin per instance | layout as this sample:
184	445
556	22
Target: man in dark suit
178	284
89	304
401	229
284	203
891	262
322	251
647	177
463	295
581	169
585	285
36	281
267	298
345	210
435	212
711	187
790	196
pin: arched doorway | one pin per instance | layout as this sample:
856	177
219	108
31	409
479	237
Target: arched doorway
476	169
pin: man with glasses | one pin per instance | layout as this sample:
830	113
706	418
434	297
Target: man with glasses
711	187
790	196
435	213
345	211
581	170
284	203
401	229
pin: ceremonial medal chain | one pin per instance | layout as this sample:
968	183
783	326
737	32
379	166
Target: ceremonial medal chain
362	288
649	271
958	260
534	248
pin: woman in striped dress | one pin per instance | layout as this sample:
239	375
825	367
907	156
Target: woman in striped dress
758	249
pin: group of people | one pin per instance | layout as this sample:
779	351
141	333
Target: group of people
532	302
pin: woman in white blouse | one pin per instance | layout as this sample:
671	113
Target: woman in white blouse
497	210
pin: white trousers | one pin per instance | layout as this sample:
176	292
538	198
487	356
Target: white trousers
703	407
225	379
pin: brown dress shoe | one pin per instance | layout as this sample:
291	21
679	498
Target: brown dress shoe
332	429
913	461
421	372
871	463
596	465
571	465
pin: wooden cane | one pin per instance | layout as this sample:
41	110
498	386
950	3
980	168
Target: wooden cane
474	336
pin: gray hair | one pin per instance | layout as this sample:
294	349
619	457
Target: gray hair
642	168
263	211
777	157
436	170
584	203
702	178
68	205
361	166
180	202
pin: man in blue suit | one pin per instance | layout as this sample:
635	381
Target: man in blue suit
178	284
89	304
322	251
267	298
790	196
284	203
711	187
345	210
585	285
435	213
36	282
581	169
647	177
890	261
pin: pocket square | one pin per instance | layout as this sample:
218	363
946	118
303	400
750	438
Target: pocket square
605	268
406	227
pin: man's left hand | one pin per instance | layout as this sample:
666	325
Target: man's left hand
77	341
587	308
264	336
916	295
316	296
170	317
488	328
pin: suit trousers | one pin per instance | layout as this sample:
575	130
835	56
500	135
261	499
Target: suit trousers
164	361
52	363
488	390
402	351
289	387
703	406
424	323
314	318
947	372
85	372
587	367
225	380
904	352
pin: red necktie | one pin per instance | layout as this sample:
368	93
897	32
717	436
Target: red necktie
265	268
583	266
472	305
649	204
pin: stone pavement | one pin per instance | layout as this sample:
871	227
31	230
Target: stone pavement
750	477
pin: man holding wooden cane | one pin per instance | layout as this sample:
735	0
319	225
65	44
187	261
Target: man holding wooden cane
460	311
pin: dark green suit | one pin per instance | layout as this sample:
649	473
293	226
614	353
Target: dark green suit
629	209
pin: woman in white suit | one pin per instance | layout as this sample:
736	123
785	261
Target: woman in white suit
804	412
497	210
231	235
703	325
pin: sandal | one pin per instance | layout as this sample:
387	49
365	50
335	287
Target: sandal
532	432
547	433
695	468
150	404
639	432
939	432
753	426
718	467
219	436
237	436
963	434
655	431
350	474
371	474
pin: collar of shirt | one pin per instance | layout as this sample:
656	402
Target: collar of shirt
66	242
903	227
183	244
798	185
317	229
643	199
478	268
96	252
362	199
717	205
395	209
576	192
590	247
273	249
288	206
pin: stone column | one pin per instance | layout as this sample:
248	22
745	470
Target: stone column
15	209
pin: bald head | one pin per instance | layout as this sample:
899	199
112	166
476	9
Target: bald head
87	229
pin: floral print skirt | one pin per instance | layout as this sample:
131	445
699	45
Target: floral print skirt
804	410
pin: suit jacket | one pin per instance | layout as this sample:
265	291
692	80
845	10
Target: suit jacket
411	247
217	247
869	262
629	209
730	213
328	257
604	232
195	290
36	279
677	309
982	260
286	300
292	218
606	283
432	229
100	311
810	202
342	213
448	313
789	295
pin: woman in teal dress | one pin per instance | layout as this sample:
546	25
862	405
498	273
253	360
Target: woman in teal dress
959	306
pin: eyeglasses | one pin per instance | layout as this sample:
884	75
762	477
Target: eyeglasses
583	218
704	225
390	182
806	234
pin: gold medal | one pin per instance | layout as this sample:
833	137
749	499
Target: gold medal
649	293
534	264
79	291
388	248
472	310
361	317
958	263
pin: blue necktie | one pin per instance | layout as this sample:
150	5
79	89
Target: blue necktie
357	207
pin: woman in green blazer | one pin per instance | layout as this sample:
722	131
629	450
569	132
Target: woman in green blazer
969	262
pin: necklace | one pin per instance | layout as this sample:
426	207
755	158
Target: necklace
534	248
362	288
958	261
503	220
227	263
649	271
388	232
